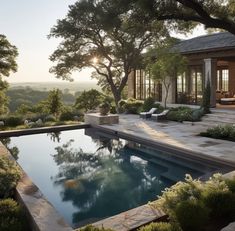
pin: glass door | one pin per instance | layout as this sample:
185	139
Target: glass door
196	85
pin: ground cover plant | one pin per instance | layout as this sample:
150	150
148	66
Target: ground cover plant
224	132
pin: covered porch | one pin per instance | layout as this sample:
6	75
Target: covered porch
212	58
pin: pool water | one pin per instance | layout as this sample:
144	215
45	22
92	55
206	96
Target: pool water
88	175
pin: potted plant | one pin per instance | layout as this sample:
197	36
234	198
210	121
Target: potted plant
104	108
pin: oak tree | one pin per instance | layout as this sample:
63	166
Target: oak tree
185	14
109	39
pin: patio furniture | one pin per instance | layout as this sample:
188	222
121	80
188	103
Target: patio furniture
146	115
160	116
227	100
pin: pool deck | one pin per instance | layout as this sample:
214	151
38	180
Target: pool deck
180	136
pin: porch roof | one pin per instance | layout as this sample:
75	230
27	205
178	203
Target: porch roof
217	41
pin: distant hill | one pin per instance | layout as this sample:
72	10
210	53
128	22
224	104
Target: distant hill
71	87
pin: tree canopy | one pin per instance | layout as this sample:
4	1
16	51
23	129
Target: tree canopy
108	38
8	54
168	64
182	13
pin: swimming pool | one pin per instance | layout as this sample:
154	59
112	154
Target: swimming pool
88	175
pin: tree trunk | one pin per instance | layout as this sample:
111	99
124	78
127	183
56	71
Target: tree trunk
117	98
167	86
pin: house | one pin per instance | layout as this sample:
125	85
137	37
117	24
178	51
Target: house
209	57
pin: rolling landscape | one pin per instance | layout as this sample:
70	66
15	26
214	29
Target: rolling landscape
47	86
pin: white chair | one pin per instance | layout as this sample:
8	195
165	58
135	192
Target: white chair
145	115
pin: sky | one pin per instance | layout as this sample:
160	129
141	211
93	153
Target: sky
26	23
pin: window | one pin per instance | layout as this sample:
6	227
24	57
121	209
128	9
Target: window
218	87
145	86
223	79
181	83
196	85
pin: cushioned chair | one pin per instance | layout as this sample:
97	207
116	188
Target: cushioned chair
160	116
146	115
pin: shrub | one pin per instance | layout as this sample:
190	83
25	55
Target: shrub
133	106
13	120
191	215
159	107
193	202
181	191
180	114
93	228
160	226
9	176
221	204
35	117
197	114
231	184
68	114
113	109
10	216
121	105
206	98
148	104
226	132
50	118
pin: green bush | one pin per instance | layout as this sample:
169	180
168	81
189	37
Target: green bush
113	109
50	118
160	226
35	116
13	120
231	184
221	204
10	174
93	228
192	202
68	114
133	106
226	132
148	104
180	114
192	215
197	114
159	107
11	218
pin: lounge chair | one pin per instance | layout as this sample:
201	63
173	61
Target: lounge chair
146	115
160	116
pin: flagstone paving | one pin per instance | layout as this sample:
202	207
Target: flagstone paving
183	136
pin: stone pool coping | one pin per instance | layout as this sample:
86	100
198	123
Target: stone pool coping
40	212
163	146
132	219
31	131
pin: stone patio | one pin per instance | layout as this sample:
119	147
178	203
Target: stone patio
183	136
